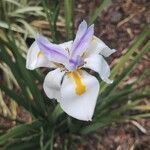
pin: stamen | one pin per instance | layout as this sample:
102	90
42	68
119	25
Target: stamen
93	39
39	54
80	87
67	49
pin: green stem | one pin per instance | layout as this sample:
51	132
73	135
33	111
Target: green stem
52	15
103	5
126	71
68	9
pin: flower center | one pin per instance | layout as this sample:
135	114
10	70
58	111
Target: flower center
74	63
80	88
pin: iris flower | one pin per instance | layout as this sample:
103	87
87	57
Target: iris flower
69	83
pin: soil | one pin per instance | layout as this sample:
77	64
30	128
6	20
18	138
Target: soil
125	136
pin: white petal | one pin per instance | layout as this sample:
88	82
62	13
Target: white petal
36	59
52	84
97	63
97	46
79	106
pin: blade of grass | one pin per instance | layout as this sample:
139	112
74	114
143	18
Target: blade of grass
103	5
19	99
121	62
137	42
52	12
56	113
68	9
28	78
16	72
127	70
117	96
27	10
14	2
106	110
109	118
139	116
6	58
31	142
14	28
27	26
19	130
142	107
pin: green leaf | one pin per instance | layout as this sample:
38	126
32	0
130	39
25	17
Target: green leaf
127	70
13	27
56	113
14	2
24	78
108	118
52	11
98	11
68	9
127	56
27	10
19	130
30	29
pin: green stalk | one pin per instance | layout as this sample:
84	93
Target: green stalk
68	9
19	130
103	5
126	71
28	78
52	15
117	96
122	61
18	75
56	113
108	118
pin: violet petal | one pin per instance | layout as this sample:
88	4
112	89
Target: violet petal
83	37
52	51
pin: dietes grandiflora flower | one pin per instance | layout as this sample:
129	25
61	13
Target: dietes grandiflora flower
69	83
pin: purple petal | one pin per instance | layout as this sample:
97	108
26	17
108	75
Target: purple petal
83	37
52	51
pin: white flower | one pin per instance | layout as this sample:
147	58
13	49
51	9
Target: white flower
74	88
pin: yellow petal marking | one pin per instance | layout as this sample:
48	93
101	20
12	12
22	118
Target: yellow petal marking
80	88
39	54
